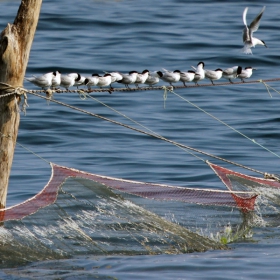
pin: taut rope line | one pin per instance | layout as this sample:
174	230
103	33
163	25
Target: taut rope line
154	133
9	90
35	154
5	87
222	122
149	134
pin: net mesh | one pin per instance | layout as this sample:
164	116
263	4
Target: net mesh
234	198
236	181
79	213
267	191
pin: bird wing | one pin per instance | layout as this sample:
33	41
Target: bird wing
66	79
42	79
168	75
31	79
184	75
254	26
244	16
165	70
210	74
247	49
231	70
246	34
153	74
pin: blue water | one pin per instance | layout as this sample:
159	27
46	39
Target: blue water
96	36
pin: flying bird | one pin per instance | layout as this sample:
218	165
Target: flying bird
248	39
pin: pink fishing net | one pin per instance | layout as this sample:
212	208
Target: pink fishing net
243	199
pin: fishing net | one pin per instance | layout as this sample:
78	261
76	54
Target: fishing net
267	190
79	213
235	198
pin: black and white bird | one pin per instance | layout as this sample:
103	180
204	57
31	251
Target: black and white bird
199	72
169	76
128	79
141	77
246	73
214	75
152	79
104	81
187	77
91	81
56	79
69	80
248	39
231	73
115	76
44	81
80	82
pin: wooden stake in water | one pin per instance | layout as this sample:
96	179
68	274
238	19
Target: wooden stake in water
15	44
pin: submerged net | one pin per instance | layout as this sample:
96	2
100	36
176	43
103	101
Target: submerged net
267	190
79	213
235	198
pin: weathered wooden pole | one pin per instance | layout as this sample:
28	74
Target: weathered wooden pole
15	44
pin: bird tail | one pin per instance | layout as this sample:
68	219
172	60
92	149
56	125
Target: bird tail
246	50
29	79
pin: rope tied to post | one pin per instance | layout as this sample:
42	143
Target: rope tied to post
9	90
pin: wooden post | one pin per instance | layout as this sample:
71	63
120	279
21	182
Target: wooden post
15	44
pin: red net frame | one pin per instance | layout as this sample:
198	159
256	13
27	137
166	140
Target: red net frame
224	174
243	200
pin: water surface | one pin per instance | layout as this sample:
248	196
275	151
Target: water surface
96	36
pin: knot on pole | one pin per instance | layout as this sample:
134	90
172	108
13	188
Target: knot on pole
7	90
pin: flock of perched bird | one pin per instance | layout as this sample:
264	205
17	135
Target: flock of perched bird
55	79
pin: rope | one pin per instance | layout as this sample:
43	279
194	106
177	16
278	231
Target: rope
111	90
269	87
19	91
154	133
8	90
224	123
149	134
34	153
166	89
